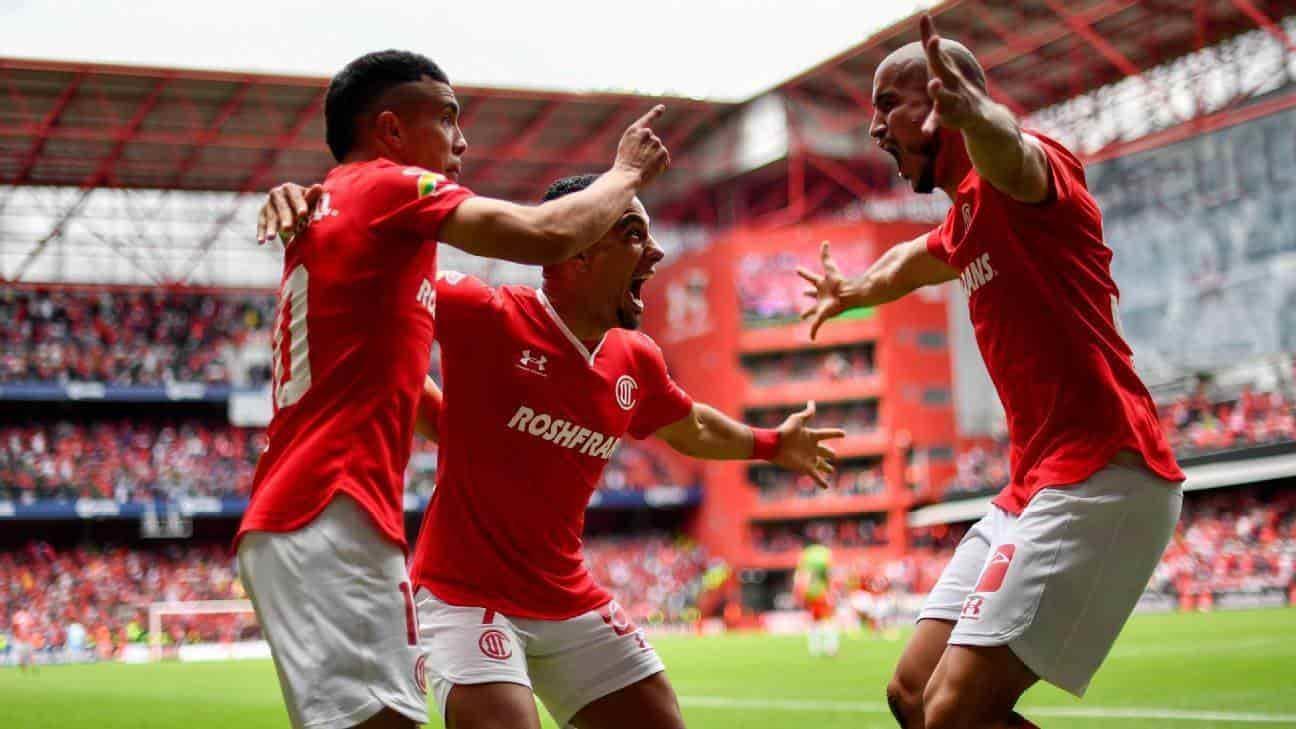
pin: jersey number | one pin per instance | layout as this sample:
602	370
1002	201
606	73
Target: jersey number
290	367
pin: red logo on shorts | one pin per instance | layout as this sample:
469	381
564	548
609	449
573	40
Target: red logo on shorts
616	618
420	672
972	607
495	644
993	576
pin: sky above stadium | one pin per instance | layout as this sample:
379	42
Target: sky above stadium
722	49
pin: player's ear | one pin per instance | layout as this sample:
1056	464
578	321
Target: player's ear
387	126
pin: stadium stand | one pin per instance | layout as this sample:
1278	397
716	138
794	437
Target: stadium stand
107	589
132	336
1196	423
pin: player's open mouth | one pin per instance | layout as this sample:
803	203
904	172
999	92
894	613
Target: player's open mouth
636	291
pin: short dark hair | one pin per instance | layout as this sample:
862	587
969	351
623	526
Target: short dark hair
568	185
362	82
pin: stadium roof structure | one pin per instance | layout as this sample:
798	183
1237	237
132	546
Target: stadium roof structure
98	125
796	151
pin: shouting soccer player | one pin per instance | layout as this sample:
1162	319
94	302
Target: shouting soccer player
540	388
322	546
1041	586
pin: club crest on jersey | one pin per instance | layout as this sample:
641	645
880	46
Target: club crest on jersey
625	392
533	363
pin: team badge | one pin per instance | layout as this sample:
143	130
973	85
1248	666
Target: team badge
420	672
494	643
625	392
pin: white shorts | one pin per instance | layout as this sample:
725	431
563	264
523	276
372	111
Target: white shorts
1057	583
334	602
568	663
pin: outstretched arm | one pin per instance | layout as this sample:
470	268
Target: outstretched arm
900	270
539	234
1003	156
710	434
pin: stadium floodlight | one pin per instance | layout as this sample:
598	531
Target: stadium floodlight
158	610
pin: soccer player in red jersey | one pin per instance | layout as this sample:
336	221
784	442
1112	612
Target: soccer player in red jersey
322	545
540	388
1041	586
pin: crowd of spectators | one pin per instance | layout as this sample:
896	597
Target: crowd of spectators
853	416
841	532
981	469
767	293
95	600
126	460
851	479
1197	423
834	364
655	578
142	460
130	337
1241	540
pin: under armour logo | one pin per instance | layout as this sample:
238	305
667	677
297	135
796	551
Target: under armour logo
532	363
972	607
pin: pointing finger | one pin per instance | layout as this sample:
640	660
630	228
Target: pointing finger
647	119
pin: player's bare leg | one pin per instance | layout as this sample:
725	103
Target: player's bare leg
646	704
491	706
976	687
388	719
921	654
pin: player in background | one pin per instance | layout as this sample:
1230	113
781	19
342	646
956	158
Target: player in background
1041	586
24	638
322	545
540	388
812	586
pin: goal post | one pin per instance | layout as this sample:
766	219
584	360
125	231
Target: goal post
158	610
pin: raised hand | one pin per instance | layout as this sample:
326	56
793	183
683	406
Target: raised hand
641	151
954	99
286	211
801	447
826	290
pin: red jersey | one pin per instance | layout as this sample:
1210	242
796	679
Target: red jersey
1043	306
352	344
529	419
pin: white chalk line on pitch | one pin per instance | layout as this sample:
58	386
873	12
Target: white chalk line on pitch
1079	712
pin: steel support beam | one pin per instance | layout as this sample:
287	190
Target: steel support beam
254	180
1084	29
1266	23
101	173
518	148
41	134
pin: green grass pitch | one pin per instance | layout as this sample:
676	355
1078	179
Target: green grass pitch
1204	671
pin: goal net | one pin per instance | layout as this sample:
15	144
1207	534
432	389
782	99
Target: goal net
204	630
